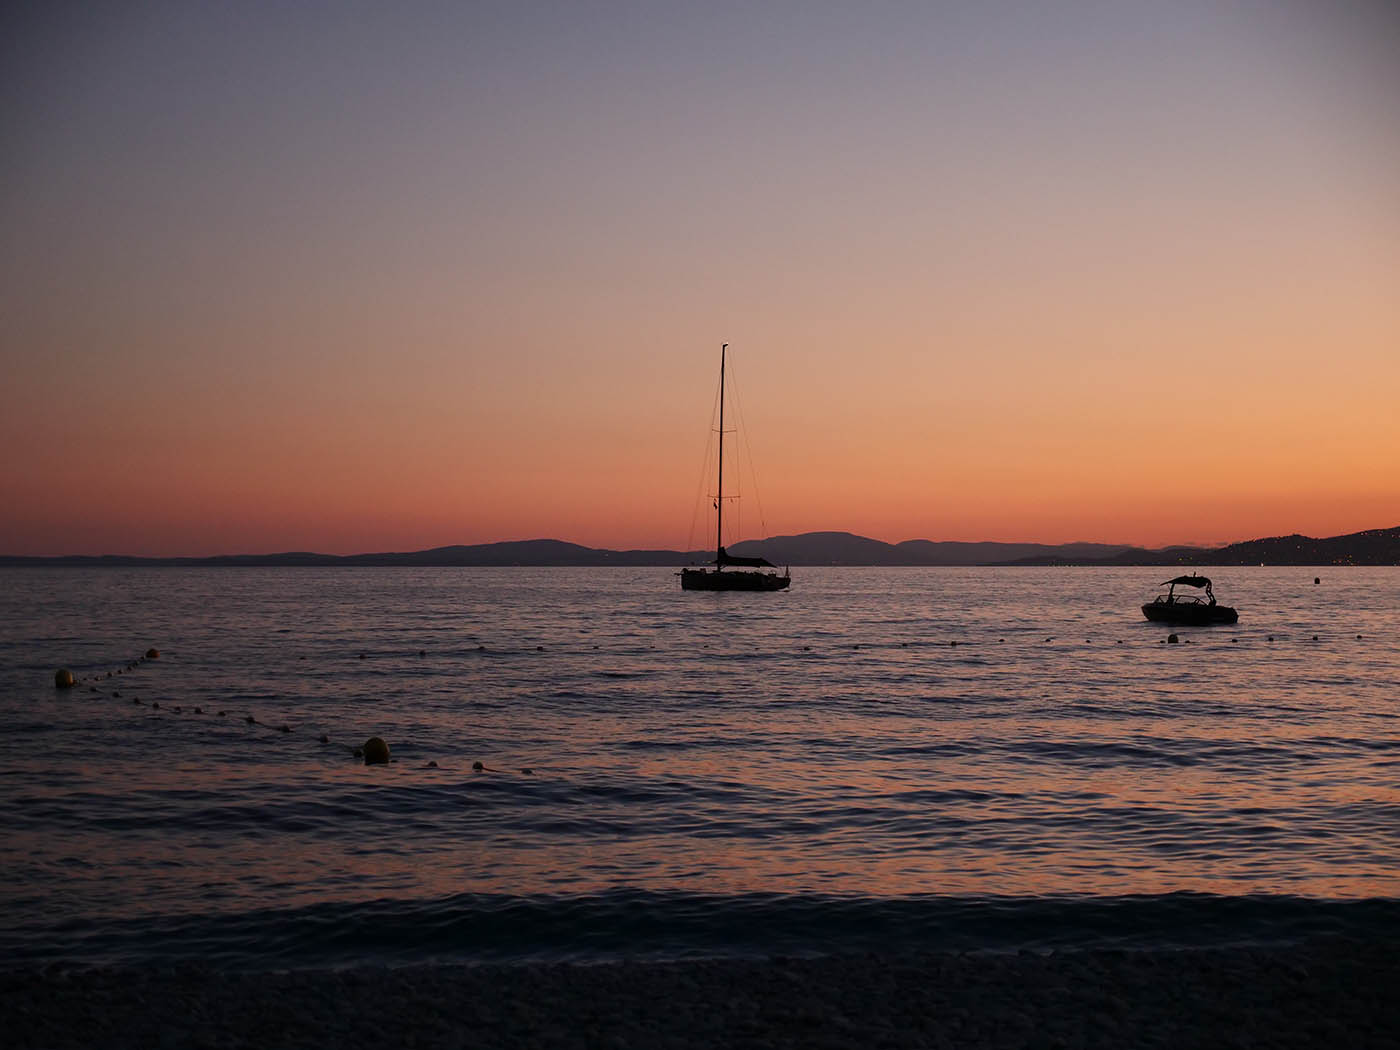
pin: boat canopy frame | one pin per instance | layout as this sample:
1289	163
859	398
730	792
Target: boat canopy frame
1189	581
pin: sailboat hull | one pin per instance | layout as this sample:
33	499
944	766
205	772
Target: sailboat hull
715	580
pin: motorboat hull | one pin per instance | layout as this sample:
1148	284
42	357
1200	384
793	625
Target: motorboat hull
715	580
1190	613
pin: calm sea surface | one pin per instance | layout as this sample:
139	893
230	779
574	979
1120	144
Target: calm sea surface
876	759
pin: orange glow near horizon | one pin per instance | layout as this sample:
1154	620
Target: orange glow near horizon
1002	277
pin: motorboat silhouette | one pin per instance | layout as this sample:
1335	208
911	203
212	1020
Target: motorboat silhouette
1189	608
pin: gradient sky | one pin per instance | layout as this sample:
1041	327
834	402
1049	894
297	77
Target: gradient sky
351	277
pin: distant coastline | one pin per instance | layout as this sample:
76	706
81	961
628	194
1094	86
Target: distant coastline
1372	547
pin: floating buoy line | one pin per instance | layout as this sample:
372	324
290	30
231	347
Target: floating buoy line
376	751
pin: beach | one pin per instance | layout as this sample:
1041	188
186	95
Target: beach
1332	992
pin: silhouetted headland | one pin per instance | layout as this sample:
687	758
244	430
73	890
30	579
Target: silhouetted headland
1372	547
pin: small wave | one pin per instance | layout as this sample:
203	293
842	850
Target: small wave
625	924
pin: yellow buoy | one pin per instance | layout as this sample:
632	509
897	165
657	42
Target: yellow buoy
63	679
376	751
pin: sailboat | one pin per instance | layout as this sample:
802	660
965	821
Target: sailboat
744	574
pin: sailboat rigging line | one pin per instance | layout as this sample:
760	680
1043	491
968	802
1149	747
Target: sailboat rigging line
704	472
720	496
719	488
748	450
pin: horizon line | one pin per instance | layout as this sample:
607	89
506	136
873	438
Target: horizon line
672	550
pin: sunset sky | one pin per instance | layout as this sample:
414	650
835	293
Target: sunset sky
352	277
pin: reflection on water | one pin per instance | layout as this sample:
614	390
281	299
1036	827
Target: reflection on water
831	741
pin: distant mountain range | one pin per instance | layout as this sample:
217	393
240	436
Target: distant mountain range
1373	547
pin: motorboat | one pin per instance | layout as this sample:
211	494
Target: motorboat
1198	608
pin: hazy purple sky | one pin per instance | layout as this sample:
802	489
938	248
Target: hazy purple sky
353	276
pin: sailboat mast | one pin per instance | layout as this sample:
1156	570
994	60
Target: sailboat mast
719	499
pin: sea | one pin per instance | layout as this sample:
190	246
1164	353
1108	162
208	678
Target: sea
592	765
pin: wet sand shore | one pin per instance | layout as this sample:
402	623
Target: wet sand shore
1330	994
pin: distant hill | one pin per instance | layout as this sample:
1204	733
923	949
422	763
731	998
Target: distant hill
520	552
844	548
1373	547
509	553
1127	556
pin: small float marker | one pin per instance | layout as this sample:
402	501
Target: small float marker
376	751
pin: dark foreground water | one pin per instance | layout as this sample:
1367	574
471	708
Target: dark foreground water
672	774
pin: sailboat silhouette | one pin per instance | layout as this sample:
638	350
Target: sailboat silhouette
749	576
